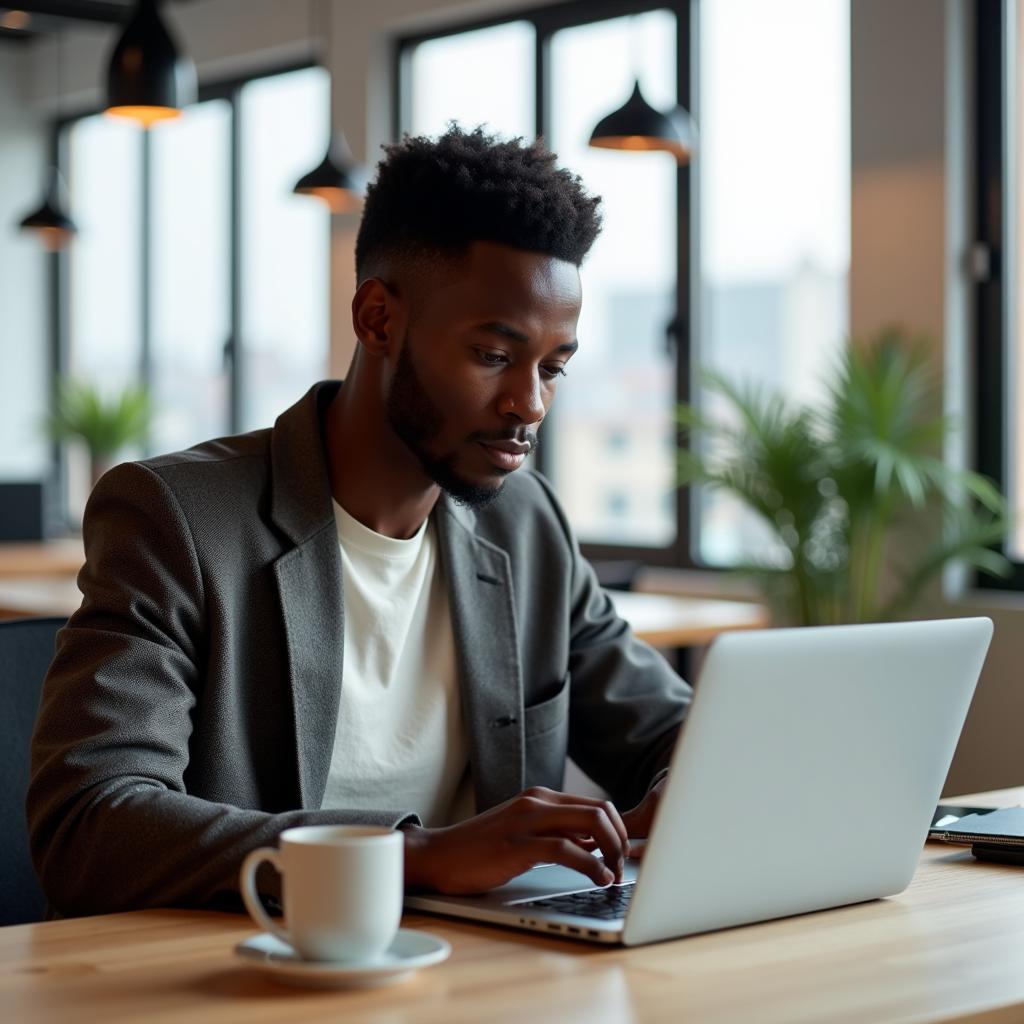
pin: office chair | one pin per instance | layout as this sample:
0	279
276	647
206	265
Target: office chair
26	650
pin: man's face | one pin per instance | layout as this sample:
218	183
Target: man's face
484	347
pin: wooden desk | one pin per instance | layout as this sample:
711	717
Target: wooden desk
671	620
38	579
46	558
949	948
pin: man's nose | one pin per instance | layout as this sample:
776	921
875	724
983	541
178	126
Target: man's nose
522	399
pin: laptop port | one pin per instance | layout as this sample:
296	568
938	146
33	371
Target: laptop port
574	931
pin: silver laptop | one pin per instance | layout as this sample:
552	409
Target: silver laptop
806	777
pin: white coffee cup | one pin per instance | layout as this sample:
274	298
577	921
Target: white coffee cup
343	887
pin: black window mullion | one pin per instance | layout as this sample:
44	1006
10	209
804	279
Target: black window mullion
686	240
990	384
59	345
232	347
146	269
542	129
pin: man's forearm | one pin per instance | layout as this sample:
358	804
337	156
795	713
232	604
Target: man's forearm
145	846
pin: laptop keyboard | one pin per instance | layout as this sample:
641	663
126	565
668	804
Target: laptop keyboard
609	904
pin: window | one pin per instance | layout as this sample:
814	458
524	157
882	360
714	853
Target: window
738	263
196	270
190	279
556	71
774	214
999	323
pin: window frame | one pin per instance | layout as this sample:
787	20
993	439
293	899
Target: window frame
546	22
990	291
228	89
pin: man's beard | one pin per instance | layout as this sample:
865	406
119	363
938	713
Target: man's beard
416	420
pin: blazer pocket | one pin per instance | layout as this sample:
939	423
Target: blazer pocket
539	718
546	736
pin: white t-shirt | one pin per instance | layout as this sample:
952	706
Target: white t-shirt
400	742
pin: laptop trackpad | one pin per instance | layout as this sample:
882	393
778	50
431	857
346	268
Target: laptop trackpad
549	880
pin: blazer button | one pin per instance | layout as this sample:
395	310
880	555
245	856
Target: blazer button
504	720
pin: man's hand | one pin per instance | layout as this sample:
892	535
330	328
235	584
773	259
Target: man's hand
537	826
638	821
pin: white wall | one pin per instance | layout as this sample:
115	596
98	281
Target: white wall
24	341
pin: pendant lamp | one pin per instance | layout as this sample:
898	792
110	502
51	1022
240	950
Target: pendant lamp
51	222
148	79
636	125
337	180
52	225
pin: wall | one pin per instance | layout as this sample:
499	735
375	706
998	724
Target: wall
911	172
23	268
906	173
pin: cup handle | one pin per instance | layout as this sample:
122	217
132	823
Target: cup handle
250	896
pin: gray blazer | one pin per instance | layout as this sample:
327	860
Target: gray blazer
189	713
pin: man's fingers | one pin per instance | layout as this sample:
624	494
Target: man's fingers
544	849
610	810
572	819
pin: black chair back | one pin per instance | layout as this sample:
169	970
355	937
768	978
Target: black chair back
26	650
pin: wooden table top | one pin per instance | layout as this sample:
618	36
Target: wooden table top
46	558
674	620
951	947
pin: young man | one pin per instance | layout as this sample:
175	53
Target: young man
371	612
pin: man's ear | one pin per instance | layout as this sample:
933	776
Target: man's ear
375	314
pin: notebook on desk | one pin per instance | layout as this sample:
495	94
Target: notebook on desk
796	739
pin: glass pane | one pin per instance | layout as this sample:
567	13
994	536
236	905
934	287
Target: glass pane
774	212
284	258
105	181
104	267
611	437
191	275
481	77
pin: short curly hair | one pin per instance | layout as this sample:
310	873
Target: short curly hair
440	195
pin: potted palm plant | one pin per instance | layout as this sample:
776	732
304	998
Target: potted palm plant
864	509
106	426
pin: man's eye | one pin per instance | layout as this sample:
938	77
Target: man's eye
551	372
491	358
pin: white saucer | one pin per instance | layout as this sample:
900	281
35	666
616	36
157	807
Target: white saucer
409	951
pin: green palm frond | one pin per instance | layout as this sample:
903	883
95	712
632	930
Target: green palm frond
106	426
834	482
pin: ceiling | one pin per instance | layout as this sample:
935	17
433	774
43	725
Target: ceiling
34	18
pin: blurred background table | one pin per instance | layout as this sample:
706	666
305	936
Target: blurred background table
39	580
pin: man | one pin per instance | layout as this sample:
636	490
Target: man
370	613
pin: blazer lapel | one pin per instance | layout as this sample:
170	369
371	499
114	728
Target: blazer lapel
480	595
309	585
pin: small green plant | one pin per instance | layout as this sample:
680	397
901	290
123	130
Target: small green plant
105	426
865	510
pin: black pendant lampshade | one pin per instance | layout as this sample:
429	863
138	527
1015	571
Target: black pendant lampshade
51	223
636	125
338	180
148	79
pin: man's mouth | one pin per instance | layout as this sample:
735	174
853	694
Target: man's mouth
506	455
